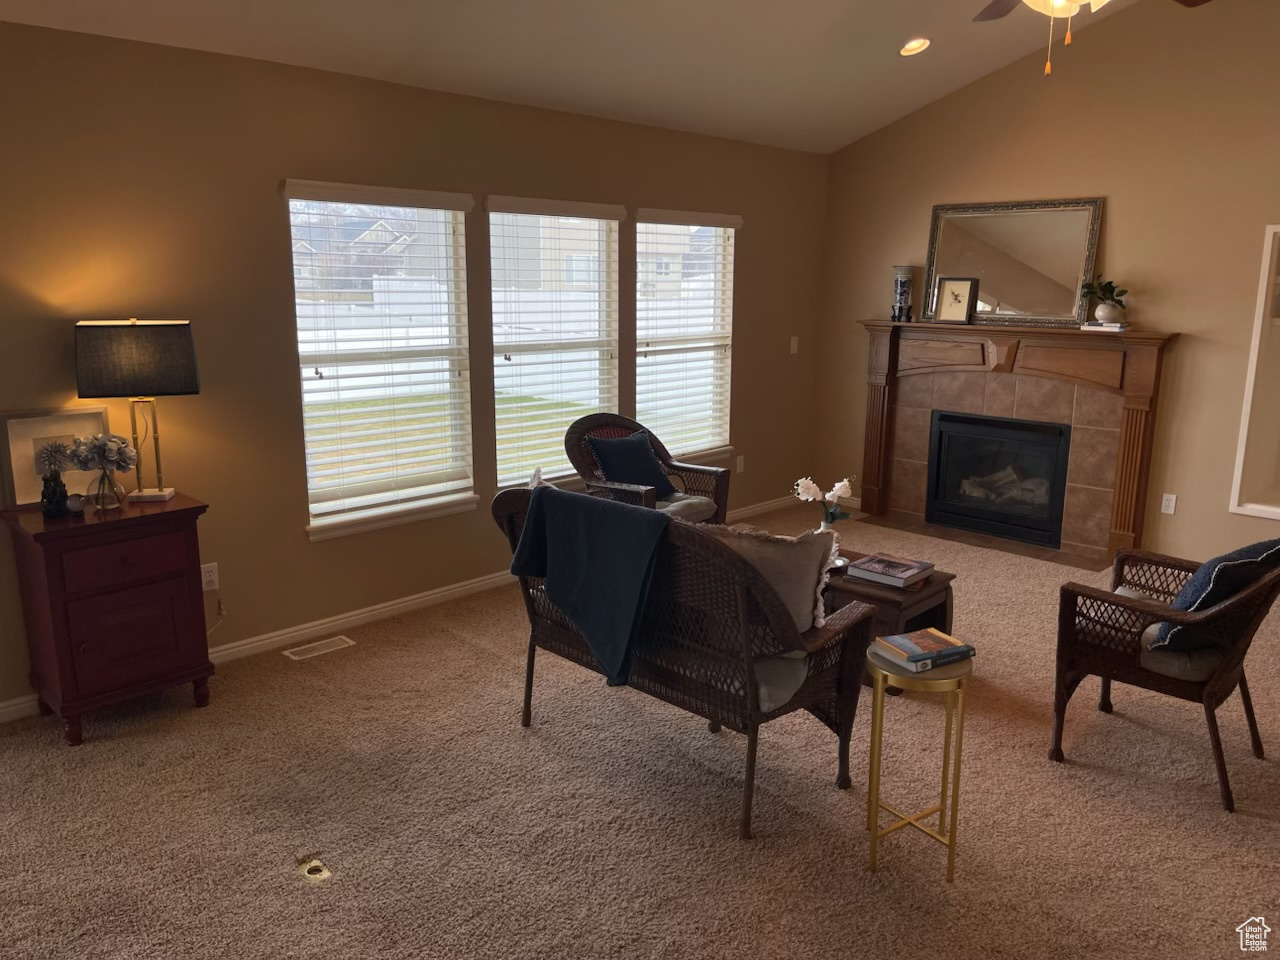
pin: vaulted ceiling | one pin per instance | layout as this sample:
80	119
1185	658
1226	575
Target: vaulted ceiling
806	74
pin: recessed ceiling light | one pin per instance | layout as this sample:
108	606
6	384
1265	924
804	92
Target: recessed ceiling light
914	46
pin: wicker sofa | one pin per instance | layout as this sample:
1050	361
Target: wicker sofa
713	633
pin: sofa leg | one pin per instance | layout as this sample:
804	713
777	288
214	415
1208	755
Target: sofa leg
526	715
1104	702
1061	696
1254	737
748	788
1224	785
845	734
713	726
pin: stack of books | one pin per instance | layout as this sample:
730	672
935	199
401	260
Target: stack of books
1100	327
889	570
922	650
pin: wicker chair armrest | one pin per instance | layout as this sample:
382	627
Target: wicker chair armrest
633	493
712	482
836	626
1099	617
1157	610
677	466
1154	572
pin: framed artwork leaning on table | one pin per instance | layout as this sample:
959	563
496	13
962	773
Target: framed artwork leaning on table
26	433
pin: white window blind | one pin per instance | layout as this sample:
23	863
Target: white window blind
555	332
380	294
684	333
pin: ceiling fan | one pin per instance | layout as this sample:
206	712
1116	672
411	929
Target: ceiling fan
997	9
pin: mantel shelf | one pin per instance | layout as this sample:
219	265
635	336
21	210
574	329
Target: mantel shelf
995	330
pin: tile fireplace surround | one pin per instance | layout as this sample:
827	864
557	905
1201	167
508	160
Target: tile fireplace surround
1104	385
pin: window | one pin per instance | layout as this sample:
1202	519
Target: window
684	329
555	328
581	269
380	299
1256	487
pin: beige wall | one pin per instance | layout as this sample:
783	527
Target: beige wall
142	180
1172	115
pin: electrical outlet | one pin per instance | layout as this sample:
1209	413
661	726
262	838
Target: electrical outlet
742	463
795	345
209	576
1169	503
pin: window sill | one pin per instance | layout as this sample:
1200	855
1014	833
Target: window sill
703	457
390	517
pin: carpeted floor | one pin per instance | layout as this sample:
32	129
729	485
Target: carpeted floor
609	828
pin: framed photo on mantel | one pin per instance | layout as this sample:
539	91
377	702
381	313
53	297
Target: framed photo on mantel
957	298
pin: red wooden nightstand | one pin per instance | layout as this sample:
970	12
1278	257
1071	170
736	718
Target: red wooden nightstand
113	605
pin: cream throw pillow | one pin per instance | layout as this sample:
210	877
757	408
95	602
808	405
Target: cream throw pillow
796	567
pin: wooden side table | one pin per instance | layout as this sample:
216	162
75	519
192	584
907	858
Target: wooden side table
950	681
113	605
897	610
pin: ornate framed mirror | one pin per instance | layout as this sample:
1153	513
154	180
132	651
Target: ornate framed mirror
1030	258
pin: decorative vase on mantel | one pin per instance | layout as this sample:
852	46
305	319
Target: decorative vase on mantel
1108	313
106	492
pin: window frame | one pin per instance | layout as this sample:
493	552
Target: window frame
458	354
607	264
727	255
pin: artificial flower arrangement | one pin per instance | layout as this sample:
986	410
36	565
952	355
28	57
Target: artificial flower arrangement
109	453
805	489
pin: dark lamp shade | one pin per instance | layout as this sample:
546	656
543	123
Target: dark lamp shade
151	358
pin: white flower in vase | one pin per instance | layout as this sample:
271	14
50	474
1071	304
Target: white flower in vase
805	489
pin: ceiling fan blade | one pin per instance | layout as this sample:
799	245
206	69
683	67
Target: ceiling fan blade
996	9
1192	3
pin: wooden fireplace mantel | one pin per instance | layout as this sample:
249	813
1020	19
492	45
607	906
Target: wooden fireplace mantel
1125	363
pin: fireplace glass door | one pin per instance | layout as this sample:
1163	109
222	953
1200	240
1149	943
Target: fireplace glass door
998	476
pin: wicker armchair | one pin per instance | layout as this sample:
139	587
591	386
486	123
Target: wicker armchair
710	623
1100	633
712	482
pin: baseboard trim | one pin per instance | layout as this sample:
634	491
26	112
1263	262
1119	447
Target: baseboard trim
379	611
18	708
758	508
781	503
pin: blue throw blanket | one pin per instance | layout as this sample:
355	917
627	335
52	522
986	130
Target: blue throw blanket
597	557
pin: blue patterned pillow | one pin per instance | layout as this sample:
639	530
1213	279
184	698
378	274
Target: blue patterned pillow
1215	581
631	460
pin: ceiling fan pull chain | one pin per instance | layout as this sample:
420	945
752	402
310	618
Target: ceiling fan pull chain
1067	42
1048	58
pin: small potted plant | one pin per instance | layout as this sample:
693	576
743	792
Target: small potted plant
1110	307
51	460
110	454
805	489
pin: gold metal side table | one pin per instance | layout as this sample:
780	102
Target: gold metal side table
950	681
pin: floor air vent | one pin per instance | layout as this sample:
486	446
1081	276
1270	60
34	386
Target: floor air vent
309	650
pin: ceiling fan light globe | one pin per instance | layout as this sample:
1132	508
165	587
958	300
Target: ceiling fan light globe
1055	8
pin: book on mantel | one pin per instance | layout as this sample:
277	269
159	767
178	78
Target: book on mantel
923	649
887	569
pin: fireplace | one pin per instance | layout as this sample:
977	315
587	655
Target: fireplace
997	475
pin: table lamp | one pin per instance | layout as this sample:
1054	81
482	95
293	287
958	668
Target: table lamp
140	360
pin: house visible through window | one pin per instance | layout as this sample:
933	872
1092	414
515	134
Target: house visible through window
684	332
555	328
380	301
581	269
